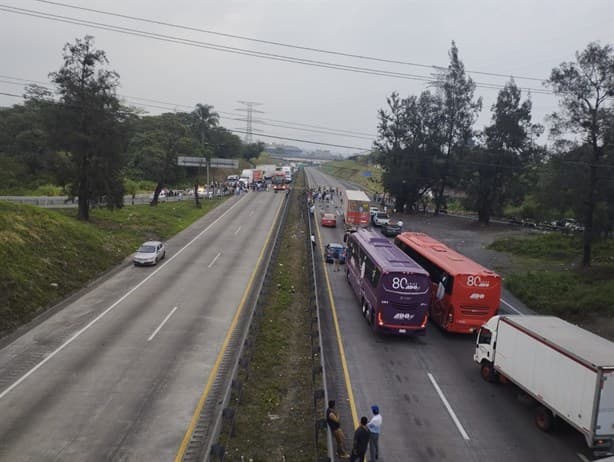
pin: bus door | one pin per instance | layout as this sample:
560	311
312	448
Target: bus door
441	303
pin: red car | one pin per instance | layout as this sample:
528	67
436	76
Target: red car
329	219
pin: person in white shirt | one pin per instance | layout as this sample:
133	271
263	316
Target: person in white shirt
374	426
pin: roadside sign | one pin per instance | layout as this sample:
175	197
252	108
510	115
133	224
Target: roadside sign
215	162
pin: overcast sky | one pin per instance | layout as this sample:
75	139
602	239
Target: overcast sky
520	38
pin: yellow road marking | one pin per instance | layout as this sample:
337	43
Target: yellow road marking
213	374
346	373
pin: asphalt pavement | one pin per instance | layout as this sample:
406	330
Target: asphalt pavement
117	374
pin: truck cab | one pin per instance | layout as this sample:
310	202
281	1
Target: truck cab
485	348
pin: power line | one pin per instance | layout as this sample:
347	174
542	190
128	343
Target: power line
305	141
242	51
172	106
281	44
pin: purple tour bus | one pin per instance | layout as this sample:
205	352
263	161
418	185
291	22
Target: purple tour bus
394	291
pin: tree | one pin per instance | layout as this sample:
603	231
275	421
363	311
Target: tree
252	150
408	139
586	89
88	125
494	171
459	112
157	144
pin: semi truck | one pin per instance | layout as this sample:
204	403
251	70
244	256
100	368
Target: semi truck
567	370
355	209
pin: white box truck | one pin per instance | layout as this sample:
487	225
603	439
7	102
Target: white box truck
566	369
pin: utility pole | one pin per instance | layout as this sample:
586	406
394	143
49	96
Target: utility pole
249	109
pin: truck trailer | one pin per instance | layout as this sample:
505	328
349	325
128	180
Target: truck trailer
567	370
355	209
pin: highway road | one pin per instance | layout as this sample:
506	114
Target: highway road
117	373
434	404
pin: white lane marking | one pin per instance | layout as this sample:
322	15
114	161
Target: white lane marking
448	407
237	231
161	324
121	299
214	260
512	307
582	457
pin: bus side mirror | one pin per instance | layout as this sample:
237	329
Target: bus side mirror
441	290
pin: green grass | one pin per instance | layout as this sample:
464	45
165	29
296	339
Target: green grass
351	170
275	417
48	254
548	277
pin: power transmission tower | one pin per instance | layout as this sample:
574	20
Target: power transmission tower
249	109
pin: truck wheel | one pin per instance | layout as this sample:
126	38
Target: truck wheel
488	372
544	419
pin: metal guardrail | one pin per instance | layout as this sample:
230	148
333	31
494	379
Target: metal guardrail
320	395
65	202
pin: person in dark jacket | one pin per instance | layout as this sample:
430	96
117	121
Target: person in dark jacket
361	441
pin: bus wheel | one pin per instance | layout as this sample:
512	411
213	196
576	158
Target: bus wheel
544	419
487	371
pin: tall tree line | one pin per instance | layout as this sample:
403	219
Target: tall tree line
428	144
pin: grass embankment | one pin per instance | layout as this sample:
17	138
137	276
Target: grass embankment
48	254
353	171
548	278
275	417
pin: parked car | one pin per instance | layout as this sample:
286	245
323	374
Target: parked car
161	197
373	211
391	229
333	249
329	219
380	219
150	253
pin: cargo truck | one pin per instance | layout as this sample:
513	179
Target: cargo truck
355	209
268	170
567	370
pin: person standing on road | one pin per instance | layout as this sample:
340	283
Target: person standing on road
336	260
332	419
361	441
375	426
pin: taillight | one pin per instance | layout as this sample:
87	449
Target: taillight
426	318
380	321
450	317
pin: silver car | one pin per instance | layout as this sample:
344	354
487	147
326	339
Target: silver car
150	253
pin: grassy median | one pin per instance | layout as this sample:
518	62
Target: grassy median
275	416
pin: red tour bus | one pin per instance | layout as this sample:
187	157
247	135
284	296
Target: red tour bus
465	294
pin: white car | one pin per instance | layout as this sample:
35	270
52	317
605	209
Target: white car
150	253
381	219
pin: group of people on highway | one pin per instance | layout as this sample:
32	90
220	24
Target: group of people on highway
366	435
